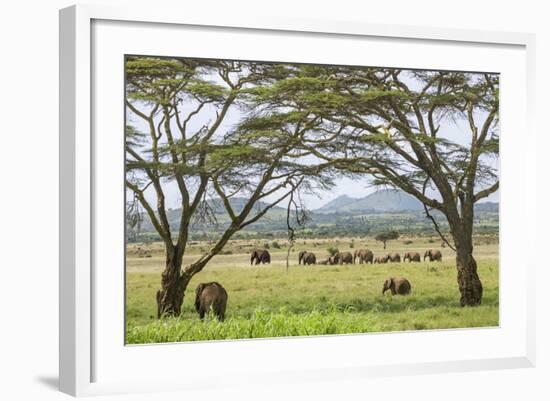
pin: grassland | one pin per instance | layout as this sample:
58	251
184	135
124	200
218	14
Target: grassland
271	301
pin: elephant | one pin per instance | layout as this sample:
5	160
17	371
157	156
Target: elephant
364	255
394	257
211	296
397	285
381	259
324	262
433	254
260	255
308	258
412	256
343	257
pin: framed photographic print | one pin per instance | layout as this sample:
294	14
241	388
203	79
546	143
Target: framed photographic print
308	199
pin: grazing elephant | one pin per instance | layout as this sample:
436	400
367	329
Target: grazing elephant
364	255
260	256
211	296
433	254
397	285
381	259
412	256
324	262
308	258
343	257
394	257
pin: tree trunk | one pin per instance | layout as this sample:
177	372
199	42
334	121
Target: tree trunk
469	284
173	286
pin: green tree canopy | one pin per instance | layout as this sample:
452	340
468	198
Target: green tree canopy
386	124
181	106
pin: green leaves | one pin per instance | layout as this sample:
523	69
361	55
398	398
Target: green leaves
387	236
207	90
148	68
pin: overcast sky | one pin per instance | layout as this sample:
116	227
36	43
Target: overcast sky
457	131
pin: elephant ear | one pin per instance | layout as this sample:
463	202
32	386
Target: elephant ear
198	293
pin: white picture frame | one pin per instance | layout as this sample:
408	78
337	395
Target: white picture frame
91	364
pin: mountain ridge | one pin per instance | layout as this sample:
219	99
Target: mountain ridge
385	200
379	202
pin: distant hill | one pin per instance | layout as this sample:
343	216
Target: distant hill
338	203
237	204
219	210
383	209
487	207
387	200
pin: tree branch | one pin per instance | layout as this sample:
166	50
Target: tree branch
436	226
486	192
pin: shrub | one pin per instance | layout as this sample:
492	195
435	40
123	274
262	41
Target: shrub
332	250
275	245
407	242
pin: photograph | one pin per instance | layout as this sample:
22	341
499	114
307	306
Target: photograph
270	199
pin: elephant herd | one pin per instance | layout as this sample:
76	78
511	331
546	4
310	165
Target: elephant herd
213	297
339	258
361	256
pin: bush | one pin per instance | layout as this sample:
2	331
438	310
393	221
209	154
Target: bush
275	245
266	245
332	251
407	242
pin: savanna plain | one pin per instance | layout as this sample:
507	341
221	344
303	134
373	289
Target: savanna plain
273	300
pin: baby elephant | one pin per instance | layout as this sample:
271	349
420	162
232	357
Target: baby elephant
211	296
397	285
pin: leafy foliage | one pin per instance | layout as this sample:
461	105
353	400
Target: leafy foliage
302	126
387	236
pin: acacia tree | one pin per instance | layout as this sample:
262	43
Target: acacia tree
387	236
386	123
182	105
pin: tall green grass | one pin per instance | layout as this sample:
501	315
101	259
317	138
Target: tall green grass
264	324
268	301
